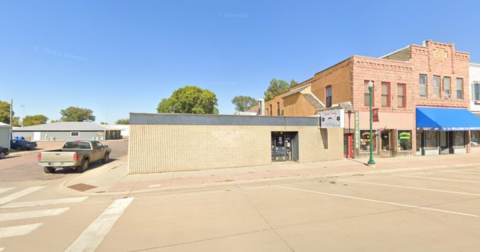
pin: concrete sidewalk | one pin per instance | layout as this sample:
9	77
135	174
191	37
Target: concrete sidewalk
113	178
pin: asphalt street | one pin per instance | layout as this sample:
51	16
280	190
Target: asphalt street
433	210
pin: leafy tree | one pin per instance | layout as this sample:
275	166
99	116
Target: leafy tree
34	120
54	121
191	100
5	112
74	114
278	87
16	121
103	123
243	103
123	121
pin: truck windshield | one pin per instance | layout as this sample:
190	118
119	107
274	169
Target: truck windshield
76	145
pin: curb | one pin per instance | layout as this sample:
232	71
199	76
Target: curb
272	179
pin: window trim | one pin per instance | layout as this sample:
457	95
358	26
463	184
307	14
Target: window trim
449	87
326	96
476	83
439	94
389	92
456	90
420	86
404	98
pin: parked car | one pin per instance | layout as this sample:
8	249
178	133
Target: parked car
21	144
74	155
3	152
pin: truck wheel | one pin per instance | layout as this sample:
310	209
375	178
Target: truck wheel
106	158
84	166
48	169
2	155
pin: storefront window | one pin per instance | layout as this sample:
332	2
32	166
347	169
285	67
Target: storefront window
430	139
365	141
474	139
385	140
419	141
405	140
459	139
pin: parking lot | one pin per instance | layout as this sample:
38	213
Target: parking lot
415	211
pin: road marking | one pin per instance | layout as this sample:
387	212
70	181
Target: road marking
455	180
18	230
44	202
469	173
32	214
94	234
413	188
1	249
380	201
155	185
2	190
19	194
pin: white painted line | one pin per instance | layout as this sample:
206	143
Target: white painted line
19	194
444	179
32	214
380	201
18	230
94	234
44	202
155	185
411	187
1	249
2	190
459	172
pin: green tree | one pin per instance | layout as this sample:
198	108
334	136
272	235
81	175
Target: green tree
243	103
34	120
5	112
278	87
191	100
54	121
16	121
74	114
123	121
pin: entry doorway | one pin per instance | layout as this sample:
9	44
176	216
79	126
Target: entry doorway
284	146
444	142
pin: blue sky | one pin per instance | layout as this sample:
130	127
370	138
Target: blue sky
116	57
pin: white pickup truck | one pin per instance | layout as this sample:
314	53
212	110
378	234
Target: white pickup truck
74	155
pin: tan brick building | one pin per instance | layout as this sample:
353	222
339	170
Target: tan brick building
180	142
408	84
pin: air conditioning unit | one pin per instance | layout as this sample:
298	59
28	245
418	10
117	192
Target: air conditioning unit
447	96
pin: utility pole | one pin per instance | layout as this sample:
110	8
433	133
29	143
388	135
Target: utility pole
11	124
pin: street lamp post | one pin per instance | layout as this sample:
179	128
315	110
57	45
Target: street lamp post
370	161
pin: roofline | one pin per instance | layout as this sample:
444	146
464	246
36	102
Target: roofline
349	58
474	64
394	52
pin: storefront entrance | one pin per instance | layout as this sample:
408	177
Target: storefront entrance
284	146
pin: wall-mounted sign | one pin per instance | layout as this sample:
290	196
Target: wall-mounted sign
334	118
357	131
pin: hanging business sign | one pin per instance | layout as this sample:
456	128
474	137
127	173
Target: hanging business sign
334	118
357	130
375	115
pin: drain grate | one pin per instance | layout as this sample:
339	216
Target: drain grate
82	187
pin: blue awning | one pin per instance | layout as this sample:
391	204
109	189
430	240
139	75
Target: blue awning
446	119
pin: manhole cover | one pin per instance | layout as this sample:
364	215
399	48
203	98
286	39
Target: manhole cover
82	187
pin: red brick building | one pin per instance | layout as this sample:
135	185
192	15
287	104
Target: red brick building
413	88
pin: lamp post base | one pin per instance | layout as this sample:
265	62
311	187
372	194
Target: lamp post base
371	163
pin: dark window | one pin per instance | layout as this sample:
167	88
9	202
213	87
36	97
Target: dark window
75	134
278	108
476	91
329	96
271	110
